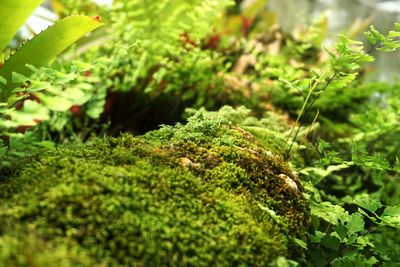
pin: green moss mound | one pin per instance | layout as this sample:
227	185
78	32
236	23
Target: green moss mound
202	194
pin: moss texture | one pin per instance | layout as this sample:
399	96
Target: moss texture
202	194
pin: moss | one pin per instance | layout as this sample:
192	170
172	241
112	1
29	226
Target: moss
189	195
21	248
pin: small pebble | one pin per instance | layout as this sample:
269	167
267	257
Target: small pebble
292	184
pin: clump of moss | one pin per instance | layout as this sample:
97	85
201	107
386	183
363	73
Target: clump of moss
201	194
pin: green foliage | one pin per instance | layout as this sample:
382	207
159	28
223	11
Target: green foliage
14	14
205	193
34	54
351	197
381	42
341	237
152	34
344	64
355	207
159	62
44	47
79	206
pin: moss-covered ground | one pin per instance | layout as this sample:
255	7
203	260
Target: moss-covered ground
206	193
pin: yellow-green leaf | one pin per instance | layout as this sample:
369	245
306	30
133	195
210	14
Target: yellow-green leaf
13	14
45	46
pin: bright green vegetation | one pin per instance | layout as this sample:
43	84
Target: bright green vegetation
201	194
37	52
300	167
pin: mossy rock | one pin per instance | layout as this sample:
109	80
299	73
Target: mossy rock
202	194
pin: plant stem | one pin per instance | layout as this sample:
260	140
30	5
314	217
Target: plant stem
303	110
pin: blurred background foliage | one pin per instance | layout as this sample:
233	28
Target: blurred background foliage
253	27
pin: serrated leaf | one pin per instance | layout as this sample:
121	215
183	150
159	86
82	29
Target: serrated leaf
391	216
366	202
361	211
374	36
354	260
317	237
329	212
45	46
355	223
363	241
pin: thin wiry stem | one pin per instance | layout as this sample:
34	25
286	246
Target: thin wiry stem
308	106
304	110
